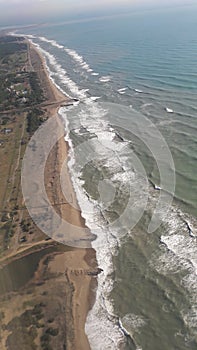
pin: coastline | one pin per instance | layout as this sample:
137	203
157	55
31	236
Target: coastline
75	262
146	296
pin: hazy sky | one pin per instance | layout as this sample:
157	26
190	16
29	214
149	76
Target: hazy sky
32	11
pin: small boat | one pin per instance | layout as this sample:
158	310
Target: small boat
169	110
157	187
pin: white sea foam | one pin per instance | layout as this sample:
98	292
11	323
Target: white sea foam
52	42
79	59
185	254
102	326
105	79
52	61
183	247
62	74
146	105
94	73
133	323
95	98
180	255
29	36
169	110
122	91
101	322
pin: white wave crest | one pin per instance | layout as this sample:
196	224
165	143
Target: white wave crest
181	255
122	91
62	75
52	42
102	327
105	79
79	59
133	323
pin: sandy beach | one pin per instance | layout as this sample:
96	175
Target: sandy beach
77	262
57	279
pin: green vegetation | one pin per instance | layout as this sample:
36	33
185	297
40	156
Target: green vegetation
5	120
52	331
24	329
25	225
10	39
20	116
9	48
2	315
36	91
45	338
19	86
8	232
34	120
18	340
19	90
33	327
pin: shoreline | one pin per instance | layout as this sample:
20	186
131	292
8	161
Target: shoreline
79	259
74	270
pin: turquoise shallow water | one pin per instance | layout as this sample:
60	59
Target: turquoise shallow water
135	77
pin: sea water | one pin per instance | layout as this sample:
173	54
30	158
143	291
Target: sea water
135	77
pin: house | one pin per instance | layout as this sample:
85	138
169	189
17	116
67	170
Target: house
23	239
7	130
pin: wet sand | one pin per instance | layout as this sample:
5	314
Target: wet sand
73	263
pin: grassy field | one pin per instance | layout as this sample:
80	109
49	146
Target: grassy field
20	91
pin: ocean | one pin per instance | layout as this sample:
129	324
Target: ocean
132	133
